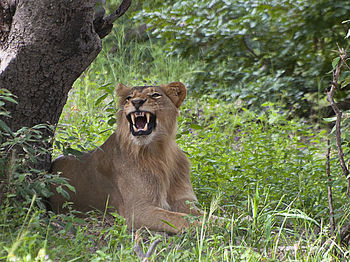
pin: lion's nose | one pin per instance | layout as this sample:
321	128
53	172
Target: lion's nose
138	103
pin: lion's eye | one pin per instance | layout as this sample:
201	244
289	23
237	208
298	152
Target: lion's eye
128	98
156	95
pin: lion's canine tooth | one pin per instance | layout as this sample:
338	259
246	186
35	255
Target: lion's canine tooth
145	128
133	118
135	129
148	116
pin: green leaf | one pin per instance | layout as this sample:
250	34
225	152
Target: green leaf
104	85
63	192
168	223
111	121
335	62
196	127
58	144
70	187
74	152
348	34
111	110
329	119
345	82
4	127
10	99
100	99
300	215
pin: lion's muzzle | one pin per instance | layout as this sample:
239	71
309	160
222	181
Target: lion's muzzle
141	122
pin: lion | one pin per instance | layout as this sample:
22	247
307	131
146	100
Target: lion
140	169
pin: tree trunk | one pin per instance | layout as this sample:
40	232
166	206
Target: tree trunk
43	50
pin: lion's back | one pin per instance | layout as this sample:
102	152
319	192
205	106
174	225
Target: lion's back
70	168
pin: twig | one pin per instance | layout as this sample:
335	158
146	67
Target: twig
330	196
338	113
142	256
103	25
124	6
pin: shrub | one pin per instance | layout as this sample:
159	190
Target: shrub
256	50
234	153
23	189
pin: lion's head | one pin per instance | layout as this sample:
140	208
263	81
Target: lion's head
147	114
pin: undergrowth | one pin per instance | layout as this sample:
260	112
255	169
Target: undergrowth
263	171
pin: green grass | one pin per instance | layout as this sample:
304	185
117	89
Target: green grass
264	172
275	236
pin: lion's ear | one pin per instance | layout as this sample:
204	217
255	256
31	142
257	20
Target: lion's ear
176	91
122	90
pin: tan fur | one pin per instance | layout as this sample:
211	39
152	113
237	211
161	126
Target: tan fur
146	178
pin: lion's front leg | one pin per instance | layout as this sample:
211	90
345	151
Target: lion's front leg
158	219
186	206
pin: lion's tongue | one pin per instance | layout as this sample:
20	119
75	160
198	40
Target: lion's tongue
140	122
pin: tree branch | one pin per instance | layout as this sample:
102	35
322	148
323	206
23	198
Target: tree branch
103	25
142	256
124	6
338	113
7	11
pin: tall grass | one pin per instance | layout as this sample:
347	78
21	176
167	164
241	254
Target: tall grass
262	172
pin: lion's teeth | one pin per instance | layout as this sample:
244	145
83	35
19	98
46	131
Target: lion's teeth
133	118
147	116
145	128
139	129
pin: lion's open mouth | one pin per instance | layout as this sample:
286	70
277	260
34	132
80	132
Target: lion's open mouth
141	122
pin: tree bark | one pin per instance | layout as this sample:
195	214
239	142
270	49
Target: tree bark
47	46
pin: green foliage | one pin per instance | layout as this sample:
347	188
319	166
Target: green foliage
263	172
255	50
23	189
234	151
20	179
70	239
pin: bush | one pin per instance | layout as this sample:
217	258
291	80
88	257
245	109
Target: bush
255	50
234	153
23	189
18	155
